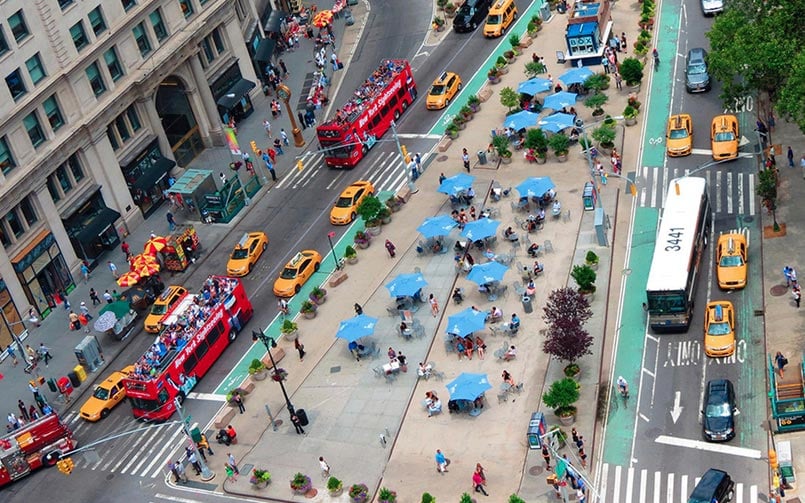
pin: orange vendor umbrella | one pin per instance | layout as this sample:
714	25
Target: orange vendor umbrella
147	269
155	245
322	19
128	279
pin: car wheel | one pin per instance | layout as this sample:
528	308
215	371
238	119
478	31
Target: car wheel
404	105
249	269
396	115
446	103
352	216
265	246
104	413
459	87
297	288
233	334
474	25
316	267
364	149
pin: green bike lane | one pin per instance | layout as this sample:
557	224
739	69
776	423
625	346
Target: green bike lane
477	81
241	369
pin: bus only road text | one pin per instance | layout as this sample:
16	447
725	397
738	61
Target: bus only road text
687	353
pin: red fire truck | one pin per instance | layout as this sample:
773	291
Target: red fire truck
37	444
196	333
347	137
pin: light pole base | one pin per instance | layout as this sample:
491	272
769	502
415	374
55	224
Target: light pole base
207	475
298	140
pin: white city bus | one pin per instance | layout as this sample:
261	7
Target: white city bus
684	230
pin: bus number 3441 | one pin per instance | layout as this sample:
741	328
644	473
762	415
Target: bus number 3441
674	239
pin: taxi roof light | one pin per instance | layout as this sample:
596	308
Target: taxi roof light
731	245
443	76
296	259
243	240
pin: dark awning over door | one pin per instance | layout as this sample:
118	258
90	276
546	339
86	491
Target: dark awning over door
156	171
93	227
235	93
265	50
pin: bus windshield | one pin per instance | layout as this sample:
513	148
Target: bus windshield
334	150
667	303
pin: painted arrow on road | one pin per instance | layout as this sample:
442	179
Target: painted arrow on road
677	410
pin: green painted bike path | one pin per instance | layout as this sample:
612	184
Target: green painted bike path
477	81
241	369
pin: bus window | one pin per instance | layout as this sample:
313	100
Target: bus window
215	332
375	121
401	93
384	111
201	350
393	101
163	396
190	364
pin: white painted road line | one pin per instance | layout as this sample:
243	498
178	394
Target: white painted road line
206	396
704	446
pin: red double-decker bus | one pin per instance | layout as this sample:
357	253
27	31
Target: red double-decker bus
384	96
198	330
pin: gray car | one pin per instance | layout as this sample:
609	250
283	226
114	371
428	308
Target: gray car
697	79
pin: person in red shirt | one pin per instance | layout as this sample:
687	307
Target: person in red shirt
126	250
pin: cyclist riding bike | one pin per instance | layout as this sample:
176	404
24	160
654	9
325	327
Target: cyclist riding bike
623	387
656	57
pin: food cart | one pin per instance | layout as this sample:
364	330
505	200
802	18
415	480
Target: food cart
182	248
116	319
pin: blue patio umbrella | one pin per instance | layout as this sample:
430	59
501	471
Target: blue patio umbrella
456	183
480	229
521	120
406	285
436	226
534	86
535	186
557	122
468	386
466	322
487	273
356	327
560	100
576	75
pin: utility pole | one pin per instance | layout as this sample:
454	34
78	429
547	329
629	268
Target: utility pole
206	473
411	187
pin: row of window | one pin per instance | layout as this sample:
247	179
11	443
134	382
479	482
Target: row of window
17	221
122	129
65	178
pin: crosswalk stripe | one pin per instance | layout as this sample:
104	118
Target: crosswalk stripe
730	192
617	496
162	454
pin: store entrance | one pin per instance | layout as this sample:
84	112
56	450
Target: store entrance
178	120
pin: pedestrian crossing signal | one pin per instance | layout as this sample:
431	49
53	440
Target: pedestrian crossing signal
633	189
299	165
65	465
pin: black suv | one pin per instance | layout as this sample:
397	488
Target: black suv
718	424
471	14
697	79
715	485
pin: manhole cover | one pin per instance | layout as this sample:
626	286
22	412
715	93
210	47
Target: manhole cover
536	471
441	158
778	290
110	476
335	370
749	219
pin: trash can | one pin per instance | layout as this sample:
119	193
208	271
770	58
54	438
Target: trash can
481	157
52	385
76	382
302	415
65	386
526	300
80	372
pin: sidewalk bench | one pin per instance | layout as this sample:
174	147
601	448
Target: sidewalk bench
224	418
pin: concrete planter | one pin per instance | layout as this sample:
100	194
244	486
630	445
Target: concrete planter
630	121
373	230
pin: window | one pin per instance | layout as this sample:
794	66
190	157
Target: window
110	133
122	129
35	69
219	43
6	158
54	192
124	126
63	179
113	64
95	79
97	21
79	35
134	119
159	25
3	43
128	4
18	27
212	46
187	7
65	3
53	113
75	168
28	212
14	223
35	133
141	37
209	54
15	84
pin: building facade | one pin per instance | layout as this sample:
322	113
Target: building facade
102	100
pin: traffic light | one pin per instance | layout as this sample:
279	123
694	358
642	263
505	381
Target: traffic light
65	465
633	188
299	165
405	154
253	144
773	460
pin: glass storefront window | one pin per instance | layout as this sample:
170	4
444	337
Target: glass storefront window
11	317
43	273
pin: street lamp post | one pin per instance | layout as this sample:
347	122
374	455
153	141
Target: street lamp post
330	236
411	187
269	343
206	473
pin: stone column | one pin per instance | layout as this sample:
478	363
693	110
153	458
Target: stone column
203	96
103	164
48	207
233	35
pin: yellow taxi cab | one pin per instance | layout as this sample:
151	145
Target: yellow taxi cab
296	272
444	88
500	17
345	209
679	135
719	329
246	253
731	258
161	306
107	396
724	137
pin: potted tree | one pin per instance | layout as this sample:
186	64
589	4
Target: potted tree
514	41
362	239
630	115
591	259
501	146
536	141
335	487
351	255
257	370
308	309
358	493
289	329
386	496
428	498
632	71
534	68
565	314
509	98
466	498
437	24
572	370
560	144
584	276
467	113
559	434
605	136
318	295
452	130
596	102
441	3
300	483
534	25
474	103
493	75
260	478
561	396
597	82
369	210
384	215
501	63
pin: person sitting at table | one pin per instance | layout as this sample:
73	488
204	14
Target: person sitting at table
497	315
549	195
480	346
470	195
404	330
460	347
538	268
507	378
468	346
532	223
514	325
392	354
510	234
489	254
531	288
356	349
541	215
510	354
556	210
424	370
533	250
454	215
523	202
458	295
485	288
437	246
574	135
472	213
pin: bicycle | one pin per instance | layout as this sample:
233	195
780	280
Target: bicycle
656	58
623	388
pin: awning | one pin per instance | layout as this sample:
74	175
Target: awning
235	93
92	227
265	49
157	170
275	20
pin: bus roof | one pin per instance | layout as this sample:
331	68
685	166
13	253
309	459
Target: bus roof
677	235
179	311
366	93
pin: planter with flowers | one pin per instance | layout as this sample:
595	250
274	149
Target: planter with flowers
362	239
351	255
308	309
318	295
358	493
257	370
387	496
335	487
300	484
279	375
260	478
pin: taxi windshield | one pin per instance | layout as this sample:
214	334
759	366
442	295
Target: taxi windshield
343	202
438	89
719	328
731	261
493	19
725	136
159	309
101	393
288	273
678	134
240	253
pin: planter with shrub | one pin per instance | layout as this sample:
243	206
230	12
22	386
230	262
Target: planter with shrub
560	144
258	370
289	329
351	255
308	309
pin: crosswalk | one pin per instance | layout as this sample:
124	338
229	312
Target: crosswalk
620	484
386	171
142	454
730	193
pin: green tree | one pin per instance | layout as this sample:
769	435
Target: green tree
792	96
767	191
509	98
632	71
535	139
596	101
534	68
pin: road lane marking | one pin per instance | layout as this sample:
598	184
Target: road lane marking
629	484
683	485
704	446
643	482
669	496
616	497
206	396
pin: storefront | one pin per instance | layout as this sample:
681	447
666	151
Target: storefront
43	272
147	178
231	93
91	227
11	317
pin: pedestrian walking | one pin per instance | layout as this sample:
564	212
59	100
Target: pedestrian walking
284	68
85	310
66	302
33	317
267	127
442	178
790	275
85	272
797	293
580	496
434	305
300	348
239	402
231	476
33	413
23	410
618	81
126	249
297	424
205	444
781	362
108	297
441	461
480	469
790	155
358	309
574	435
580	442
390	248
284	137
112	267
12	354
301	117
547	457
178	471
230	459
193	460
605	64
44	353
325	468
465	157
583	457
93	296
278	146
171	221
478	482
